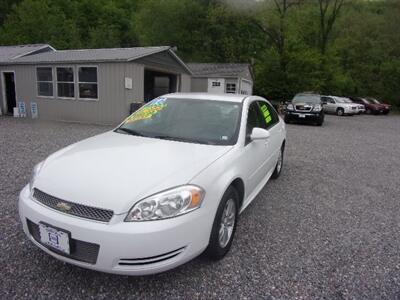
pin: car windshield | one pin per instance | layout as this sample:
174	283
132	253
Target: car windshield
186	120
366	101
372	100
347	100
340	100
314	99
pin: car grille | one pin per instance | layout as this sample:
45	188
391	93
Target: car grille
79	210
303	108
151	259
80	250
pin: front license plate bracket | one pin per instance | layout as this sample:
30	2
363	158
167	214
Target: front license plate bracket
55	238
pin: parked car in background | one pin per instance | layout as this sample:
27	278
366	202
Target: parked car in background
370	106
339	106
157	191
385	107
361	107
305	107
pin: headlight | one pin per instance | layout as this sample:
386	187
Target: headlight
317	107
168	204
35	172
289	106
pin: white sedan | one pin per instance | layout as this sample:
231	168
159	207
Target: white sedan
160	189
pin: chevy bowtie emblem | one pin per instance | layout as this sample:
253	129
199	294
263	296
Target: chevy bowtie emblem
64	206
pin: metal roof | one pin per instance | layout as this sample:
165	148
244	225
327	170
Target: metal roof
11	53
91	55
218	69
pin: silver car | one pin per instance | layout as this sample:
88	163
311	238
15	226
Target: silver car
339	106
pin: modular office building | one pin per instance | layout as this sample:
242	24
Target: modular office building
98	85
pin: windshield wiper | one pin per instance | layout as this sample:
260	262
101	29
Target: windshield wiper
181	139
129	131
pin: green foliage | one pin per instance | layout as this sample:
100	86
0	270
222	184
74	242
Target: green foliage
361	55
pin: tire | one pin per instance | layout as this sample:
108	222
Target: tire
219	247
340	111
279	165
287	120
386	113
319	123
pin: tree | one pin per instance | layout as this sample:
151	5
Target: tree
328	14
273	22
39	22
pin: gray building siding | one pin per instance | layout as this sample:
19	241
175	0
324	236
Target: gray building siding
185	83
113	101
199	85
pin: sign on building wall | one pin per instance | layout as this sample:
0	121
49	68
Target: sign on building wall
34	110
21	109
128	83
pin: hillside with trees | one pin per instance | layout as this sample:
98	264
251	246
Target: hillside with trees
341	47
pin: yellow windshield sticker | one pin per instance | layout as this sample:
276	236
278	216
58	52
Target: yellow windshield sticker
148	111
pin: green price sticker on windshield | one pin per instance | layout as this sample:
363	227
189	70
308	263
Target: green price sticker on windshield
266	113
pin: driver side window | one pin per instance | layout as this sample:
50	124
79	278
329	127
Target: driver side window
254	119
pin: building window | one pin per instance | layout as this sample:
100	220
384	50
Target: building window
231	88
65	82
44	76
87	82
216	83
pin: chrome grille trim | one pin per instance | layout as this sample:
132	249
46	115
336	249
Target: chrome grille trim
79	210
303	108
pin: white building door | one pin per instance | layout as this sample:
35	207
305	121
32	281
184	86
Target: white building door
216	85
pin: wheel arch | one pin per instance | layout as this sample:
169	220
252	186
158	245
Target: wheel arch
238	184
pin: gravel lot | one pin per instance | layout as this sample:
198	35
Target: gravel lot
329	227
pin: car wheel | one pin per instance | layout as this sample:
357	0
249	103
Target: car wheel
340	112
386	113
224	225
287	120
279	165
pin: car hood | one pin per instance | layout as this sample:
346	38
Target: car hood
113	170
350	104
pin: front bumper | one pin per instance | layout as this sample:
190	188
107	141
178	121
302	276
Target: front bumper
350	111
129	248
304	116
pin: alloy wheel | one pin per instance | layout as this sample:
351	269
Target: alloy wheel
279	164
227	225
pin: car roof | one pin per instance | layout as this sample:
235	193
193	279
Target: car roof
209	97
307	94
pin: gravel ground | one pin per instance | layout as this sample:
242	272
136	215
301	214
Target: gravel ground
329	227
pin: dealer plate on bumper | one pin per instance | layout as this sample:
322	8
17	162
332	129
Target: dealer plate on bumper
302	115
54	238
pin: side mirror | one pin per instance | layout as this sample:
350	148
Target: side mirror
259	134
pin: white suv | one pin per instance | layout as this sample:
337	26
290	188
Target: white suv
339	105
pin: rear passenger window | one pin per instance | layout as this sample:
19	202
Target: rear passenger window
269	114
